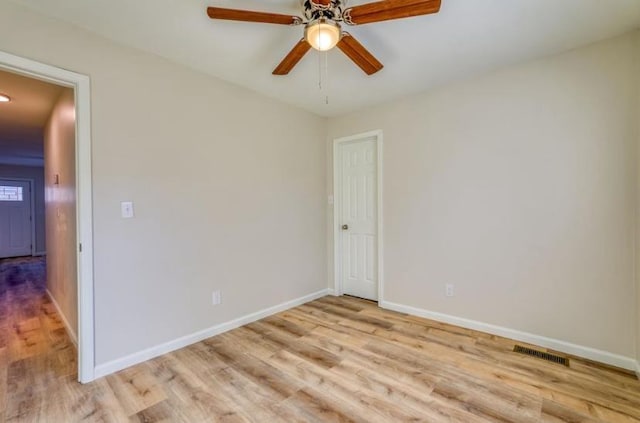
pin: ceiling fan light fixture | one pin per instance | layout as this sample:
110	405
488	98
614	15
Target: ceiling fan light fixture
4	98
322	26
323	34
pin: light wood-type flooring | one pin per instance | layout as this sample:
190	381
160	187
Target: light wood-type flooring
331	360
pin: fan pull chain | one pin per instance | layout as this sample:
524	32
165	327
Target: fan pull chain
326	76
320	70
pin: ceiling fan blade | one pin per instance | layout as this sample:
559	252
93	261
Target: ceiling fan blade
360	55
389	9
292	59
250	16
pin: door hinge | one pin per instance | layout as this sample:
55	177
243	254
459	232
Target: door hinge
80	247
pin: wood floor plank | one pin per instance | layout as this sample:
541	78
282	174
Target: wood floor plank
161	412
314	406
348	391
291	316
413	392
136	389
263	374
255	401
251	341
352	316
27	382
292	328
556	413
200	358
286	341
189	394
344	302
336	359
93	402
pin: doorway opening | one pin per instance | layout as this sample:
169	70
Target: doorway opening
45	196
357	216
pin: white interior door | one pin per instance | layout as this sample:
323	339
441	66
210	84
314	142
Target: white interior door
15	218
358	221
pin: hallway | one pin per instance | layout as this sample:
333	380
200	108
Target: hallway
35	350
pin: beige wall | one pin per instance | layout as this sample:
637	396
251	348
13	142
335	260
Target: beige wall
37	174
229	189
518	187
60	206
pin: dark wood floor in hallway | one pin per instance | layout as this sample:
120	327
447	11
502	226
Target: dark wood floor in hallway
331	360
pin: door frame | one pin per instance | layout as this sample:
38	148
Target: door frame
84	195
32	208
337	209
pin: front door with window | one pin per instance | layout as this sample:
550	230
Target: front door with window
15	218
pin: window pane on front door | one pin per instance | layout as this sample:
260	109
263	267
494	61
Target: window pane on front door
8	193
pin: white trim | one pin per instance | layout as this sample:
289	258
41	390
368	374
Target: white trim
337	206
638	369
67	326
332	292
32	206
39	253
144	355
555	344
84	208
84	225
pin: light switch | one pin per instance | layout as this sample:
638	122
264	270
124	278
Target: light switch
126	208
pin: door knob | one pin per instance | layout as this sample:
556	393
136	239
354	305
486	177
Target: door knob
345	227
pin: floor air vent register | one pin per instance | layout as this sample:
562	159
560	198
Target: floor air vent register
542	355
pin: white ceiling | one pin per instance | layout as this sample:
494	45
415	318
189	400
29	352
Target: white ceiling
22	120
467	37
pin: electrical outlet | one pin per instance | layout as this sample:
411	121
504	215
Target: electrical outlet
449	290
216	298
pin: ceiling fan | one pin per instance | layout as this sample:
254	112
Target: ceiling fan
322	29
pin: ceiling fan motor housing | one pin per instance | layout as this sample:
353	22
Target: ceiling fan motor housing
314	10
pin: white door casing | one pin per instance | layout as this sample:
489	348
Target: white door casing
357	215
15	218
84	203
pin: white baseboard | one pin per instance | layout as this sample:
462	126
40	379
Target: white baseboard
331	291
638	369
39	253
144	355
67	326
555	344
